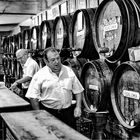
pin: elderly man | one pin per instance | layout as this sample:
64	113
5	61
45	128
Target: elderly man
52	87
29	66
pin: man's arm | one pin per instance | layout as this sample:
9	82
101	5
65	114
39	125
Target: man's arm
34	104
77	111
20	81
24	79
78	99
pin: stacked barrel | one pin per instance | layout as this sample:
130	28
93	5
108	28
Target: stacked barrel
103	39
94	43
11	103
10	65
115	31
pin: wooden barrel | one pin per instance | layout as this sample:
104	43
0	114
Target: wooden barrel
116	28
15	40
11	66
61	34
12	46
5	64
14	61
19	40
11	57
26	39
81	34
5	45
76	65
46	36
18	70
40	61
96	77
125	94
35	38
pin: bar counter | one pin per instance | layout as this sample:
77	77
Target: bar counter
9	101
37	125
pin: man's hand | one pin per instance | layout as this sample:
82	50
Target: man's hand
13	86
77	112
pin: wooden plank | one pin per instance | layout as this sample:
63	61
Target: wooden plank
9	99
32	7
72	6
39	124
92	3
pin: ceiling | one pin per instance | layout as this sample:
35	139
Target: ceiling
13	12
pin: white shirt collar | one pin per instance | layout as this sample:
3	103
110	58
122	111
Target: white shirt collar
27	61
61	72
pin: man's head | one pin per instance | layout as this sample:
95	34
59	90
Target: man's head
22	55
53	59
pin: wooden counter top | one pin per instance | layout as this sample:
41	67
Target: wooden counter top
39	125
9	99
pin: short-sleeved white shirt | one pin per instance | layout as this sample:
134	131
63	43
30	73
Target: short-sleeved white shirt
29	69
54	91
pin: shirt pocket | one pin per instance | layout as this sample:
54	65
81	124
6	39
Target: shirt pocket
47	85
67	84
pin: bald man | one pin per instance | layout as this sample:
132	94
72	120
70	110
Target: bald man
29	66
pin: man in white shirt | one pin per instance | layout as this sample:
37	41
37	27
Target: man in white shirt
29	66
52	87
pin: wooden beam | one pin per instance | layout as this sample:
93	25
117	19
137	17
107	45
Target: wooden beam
9	24
6	13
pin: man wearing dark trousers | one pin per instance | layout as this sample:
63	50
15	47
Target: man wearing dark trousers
52	87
